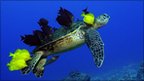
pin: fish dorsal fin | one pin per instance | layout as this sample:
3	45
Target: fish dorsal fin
65	17
85	11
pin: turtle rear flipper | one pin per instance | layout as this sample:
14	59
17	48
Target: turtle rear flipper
32	63
39	68
65	17
96	46
51	60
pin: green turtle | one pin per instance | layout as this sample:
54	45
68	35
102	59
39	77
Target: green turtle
69	36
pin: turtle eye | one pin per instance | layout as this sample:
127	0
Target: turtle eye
106	16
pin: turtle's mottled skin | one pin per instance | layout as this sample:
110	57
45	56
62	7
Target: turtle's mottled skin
64	43
72	38
67	39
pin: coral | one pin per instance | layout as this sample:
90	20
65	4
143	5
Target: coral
19	59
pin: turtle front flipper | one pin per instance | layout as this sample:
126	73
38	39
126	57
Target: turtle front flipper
31	63
96	46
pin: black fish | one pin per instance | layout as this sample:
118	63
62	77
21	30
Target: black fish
64	17
31	40
39	37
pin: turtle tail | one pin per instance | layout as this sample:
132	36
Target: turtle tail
32	63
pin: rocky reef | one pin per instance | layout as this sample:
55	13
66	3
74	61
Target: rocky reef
130	72
77	76
140	73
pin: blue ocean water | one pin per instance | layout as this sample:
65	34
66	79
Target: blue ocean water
122	36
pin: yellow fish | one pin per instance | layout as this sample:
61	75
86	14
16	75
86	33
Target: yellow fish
19	59
88	18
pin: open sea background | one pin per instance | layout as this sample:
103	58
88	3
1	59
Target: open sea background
122	36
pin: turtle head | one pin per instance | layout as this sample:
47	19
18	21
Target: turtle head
101	20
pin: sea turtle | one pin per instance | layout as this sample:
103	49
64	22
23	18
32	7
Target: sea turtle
69	36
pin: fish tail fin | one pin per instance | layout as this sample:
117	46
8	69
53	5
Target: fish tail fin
22	37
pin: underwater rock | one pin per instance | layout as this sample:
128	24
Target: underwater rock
77	76
140	73
127	73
